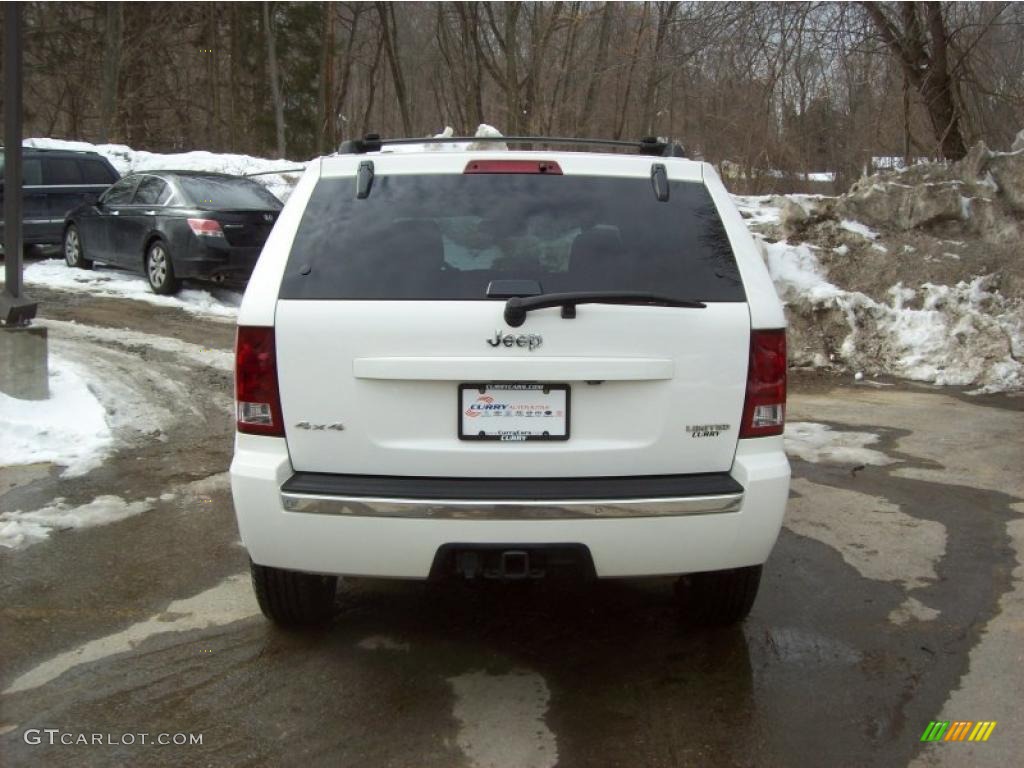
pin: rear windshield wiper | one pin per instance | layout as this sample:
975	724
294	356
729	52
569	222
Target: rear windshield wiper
517	307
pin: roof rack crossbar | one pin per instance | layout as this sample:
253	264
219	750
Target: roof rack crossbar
646	146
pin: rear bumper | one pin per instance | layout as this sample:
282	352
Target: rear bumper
211	260
380	536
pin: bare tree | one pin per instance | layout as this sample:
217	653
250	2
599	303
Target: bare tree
920	41
111	69
389	34
275	80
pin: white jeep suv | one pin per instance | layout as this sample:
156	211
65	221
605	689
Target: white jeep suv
509	364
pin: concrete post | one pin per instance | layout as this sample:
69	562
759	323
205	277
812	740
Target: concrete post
24	368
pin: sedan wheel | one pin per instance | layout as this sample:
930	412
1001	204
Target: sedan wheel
73	253
160	269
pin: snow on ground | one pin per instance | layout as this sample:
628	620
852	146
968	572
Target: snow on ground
819	443
127	160
22	529
125	337
69	428
107	281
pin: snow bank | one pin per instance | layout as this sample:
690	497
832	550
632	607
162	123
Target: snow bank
127	160
69	428
966	334
105	281
22	529
758	209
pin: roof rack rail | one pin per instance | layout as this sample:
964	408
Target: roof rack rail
648	145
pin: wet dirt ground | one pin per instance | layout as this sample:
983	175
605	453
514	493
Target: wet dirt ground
890	600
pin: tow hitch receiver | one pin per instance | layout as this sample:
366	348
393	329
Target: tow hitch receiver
512	562
515	564
508	565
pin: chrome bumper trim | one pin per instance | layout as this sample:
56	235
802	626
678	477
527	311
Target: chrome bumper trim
442	509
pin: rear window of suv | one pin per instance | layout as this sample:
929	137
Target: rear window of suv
447	236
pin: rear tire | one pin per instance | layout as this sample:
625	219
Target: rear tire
74	253
160	269
291	598
718	597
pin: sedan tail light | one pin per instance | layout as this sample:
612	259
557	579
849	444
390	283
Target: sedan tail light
764	410
257	396
206	227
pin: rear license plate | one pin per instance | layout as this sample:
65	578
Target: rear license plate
514	412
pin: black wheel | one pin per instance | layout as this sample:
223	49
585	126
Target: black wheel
718	597
74	254
160	269
291	598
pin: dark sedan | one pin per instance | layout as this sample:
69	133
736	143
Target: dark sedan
172	225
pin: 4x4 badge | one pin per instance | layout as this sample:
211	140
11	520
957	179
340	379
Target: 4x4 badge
529	340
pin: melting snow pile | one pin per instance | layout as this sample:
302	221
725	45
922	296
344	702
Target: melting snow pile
69	428
127	160
819	443
915	273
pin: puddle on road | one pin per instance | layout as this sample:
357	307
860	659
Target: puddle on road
501	720
230	601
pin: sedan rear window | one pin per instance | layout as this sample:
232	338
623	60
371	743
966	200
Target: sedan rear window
223	193
448	236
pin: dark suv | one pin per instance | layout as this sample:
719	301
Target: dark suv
55	181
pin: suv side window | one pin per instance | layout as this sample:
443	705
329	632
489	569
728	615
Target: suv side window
31	172
151	191
120	193
61	171
95	172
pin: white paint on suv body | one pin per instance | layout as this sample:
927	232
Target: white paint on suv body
623	427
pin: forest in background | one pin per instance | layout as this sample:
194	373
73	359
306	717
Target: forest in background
791	87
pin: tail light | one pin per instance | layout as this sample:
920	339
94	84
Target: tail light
206	227
257	397
764	410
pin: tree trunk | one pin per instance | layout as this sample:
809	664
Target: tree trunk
236	55
275	83
111	69
338	119
600	62
620	124
927	70
386	12
326	80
